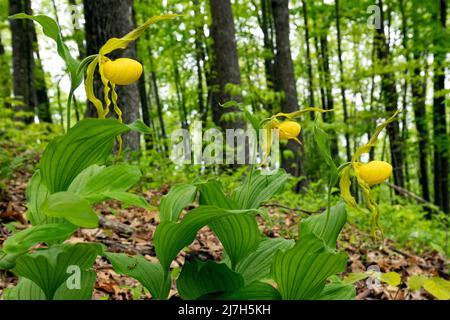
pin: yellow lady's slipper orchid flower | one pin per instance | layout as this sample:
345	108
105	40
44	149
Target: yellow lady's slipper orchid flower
289	130
367	174
374	172
123	71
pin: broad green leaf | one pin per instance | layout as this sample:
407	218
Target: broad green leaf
326	229
36	194
140	126
301	272
338	291
89	142
95	180
8	260
179	197
438	287
24	240
72	207
211	193
238	234
198	279
51	30
150	275
416	282
24	290
256	265
253	291
170	237
128	199
49	268
391	278
258	188
355	277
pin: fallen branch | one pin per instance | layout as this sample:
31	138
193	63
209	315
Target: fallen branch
276	205
117	226
409	194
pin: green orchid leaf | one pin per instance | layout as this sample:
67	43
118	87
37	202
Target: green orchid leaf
301	272
199	279
89	142
256	265
93	181
128	199
258	188
338	291
24	240
170	237
178	198
150	275
72	207
50	268
325	228
36	194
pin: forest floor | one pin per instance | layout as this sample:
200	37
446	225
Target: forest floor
130	230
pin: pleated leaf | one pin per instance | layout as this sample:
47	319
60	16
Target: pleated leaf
326	229
170	237
301	272
72	207
178	198
199	279
150	275
95	180
256	265
25	239
259	188
36	194
49	268
254	291
89	142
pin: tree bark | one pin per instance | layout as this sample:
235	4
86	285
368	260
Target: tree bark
5	75
342	87
23	60
225	63
440	136
266	24
285	82
390	99
104	21
308	58
200	63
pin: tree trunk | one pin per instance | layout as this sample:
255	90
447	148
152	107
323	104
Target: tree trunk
77	32
145	110
199	60
5	75
104	21
342	86
285	82
390	99
23	60
308	59
266	24
440	137
225	63
42	100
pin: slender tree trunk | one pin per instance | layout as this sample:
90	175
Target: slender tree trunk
328	86
342	82
390	99
43	102
225	62
23	60
266	24
5	75
199	60
180	95
104	21
77	32
308	58
285	82
440	135
145	110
